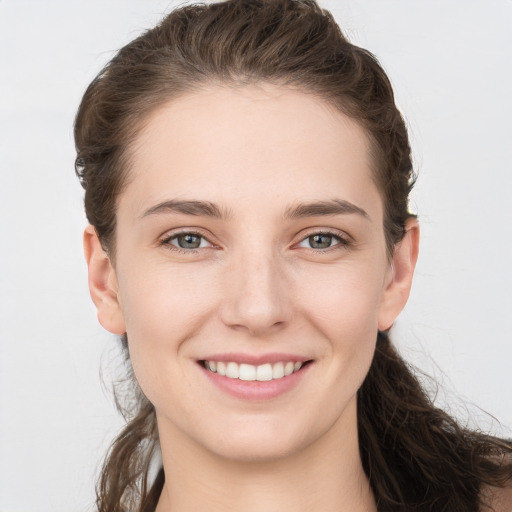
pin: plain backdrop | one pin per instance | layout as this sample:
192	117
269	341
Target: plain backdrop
449	62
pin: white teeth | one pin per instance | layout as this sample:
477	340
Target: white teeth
278	370
264	372
249	372
221	368
232	371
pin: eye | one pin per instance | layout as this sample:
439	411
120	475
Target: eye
187	240
322	241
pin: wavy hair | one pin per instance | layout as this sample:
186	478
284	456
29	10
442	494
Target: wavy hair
417	458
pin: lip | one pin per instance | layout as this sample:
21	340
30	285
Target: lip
255	390
256	360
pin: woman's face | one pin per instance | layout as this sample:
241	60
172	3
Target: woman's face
250	239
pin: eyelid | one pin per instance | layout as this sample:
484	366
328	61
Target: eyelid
345	240
165	239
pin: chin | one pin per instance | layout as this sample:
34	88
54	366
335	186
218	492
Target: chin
258	448
270	439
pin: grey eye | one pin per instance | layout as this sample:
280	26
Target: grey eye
320	241
187	241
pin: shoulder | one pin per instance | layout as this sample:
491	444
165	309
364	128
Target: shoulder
497	499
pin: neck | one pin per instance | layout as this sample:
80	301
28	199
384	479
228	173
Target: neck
326	475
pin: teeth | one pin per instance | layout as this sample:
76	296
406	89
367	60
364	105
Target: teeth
278	370
249	372
221	368
232	371
265	372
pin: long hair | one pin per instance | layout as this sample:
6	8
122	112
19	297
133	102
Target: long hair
416	457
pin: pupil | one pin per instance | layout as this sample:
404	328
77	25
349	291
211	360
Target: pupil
189	241
320	241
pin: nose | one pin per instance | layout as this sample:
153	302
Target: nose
256	297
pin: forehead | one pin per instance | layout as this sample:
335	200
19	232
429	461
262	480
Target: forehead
249	143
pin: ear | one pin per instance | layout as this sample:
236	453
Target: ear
103	283
399	282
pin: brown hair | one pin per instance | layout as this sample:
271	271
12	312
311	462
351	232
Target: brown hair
416	457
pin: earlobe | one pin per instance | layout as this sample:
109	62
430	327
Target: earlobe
402	269
103	283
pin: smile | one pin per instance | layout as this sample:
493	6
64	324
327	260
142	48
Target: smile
249	372
255	378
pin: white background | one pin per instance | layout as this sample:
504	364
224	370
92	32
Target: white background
450	64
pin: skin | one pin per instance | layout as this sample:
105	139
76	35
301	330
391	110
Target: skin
256	285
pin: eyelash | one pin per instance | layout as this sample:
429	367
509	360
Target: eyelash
341	241
166	242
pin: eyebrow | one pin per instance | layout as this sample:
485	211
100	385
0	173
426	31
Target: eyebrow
333	207
203	208
301	210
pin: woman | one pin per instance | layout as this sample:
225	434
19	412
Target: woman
247	177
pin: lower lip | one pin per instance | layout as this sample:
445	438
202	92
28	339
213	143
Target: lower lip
255	389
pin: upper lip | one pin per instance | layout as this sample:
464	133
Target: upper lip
256	360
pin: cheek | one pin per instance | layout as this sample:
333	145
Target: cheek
163	308
163	297
345	298
343	306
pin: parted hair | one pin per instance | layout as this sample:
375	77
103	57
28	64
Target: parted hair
417	458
